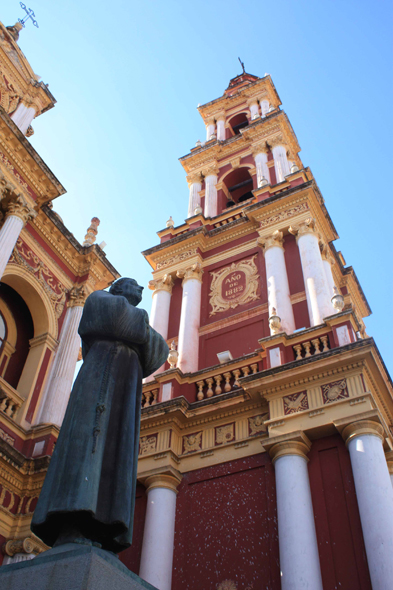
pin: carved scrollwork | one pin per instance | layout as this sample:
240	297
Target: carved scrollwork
234	285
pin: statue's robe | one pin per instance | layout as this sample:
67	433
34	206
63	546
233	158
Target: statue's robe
92	474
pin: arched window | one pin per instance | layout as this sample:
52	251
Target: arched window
238	185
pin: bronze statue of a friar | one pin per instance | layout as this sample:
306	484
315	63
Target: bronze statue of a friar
89	491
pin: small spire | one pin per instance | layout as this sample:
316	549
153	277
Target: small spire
170	222
91	234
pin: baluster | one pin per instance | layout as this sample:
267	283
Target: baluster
218	380
307	346
246	371
315	344
325	342
254	368
209	392
3	404
236	374
227	386
10	405
147	398
155	396
298	350
200	395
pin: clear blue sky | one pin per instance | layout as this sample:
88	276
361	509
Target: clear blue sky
128	77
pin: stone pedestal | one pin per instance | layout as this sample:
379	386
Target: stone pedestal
71	567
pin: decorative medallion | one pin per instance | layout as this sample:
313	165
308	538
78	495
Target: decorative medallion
234	285
147	444
192	442
331	392
225	434
256	424
296	402
6	437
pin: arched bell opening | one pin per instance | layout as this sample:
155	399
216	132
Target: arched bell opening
238	186
238	122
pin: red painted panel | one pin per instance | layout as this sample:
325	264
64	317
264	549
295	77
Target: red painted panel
293	265
38	385
239	339
339	532
132	556
300	312
226	527
272	174
232	244
2	541
33	232
175	309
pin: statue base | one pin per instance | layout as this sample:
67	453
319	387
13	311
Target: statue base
71	567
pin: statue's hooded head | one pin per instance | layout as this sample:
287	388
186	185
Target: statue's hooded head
129	289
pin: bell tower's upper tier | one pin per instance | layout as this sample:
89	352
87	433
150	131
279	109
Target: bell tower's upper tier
249	144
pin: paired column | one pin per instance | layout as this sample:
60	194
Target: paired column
264	107
254	108
18	214
263	176
315	282
210	192
58	387
299	557
221	127
23	116
194	201
375	497
159	532
159	315
277	281
210	129
281	163
190	318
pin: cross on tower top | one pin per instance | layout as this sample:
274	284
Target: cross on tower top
29	14
242	64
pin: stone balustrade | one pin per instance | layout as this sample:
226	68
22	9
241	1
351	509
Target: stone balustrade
311	347
10	400
150	397
227	220
223	382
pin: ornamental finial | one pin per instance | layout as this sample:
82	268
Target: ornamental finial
91	234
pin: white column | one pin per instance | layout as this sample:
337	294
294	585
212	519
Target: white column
210	194
299	557
254	108
261	166
315	282
327	265
17	216
277	281
281	163
190	318
375	498
159	315
194	198
210	129
23	116
159	532
221	128
264	107
59	383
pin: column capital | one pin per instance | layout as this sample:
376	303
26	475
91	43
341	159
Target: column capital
163	284
306	227
163	480
25	545
259	149
194	178
293	443
210	121
276	141
220	116
275	240
78	296
362	427
325	253
18	207
192	272
211	170
251	101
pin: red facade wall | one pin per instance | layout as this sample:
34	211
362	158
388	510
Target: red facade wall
175	309
132	556
226	527
293	265
340	539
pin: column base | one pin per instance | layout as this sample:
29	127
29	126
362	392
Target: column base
71	567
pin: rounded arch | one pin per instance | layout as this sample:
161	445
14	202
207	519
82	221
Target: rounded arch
35	297
238	121
238	184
